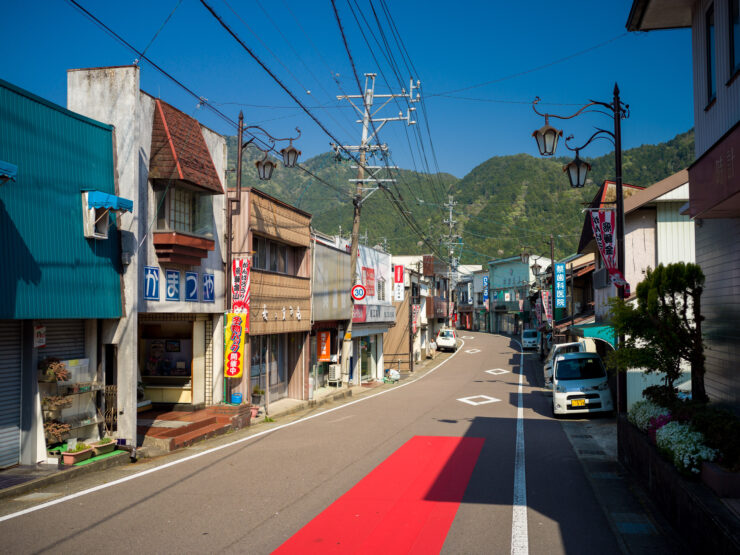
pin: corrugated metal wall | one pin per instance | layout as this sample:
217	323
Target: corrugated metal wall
10	393
675	234
719	258
49	269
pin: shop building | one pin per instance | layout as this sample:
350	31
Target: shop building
331	308
510	280
60	284
714	177
480	300
406	342
276	238
168	346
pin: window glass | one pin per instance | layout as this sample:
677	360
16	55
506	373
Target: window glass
258	246
711	69
282	258
579	369
203	215
256	363
734	36
273	255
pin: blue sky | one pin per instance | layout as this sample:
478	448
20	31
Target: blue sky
451	47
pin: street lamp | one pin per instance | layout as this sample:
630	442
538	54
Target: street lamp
265	166
577	171
547	136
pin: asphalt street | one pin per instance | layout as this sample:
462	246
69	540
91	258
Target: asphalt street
248	493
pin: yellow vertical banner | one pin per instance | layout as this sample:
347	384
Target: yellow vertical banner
235	332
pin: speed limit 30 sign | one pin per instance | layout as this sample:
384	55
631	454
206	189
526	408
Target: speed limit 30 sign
358	292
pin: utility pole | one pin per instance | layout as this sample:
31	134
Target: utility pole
451	261
363	148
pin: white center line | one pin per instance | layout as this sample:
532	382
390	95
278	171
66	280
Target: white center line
519	532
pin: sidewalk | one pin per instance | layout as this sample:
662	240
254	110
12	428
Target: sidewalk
22	479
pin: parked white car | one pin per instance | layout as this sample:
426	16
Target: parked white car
586	345
447	340
530	339
579	384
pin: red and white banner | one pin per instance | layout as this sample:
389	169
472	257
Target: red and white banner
604	226
538	310
547	305
398	283
240	286
415	317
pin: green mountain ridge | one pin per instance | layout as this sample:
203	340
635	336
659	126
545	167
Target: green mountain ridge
504	205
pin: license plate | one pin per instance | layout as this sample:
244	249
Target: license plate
578	403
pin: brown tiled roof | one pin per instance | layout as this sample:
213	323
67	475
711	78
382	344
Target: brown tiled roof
179	150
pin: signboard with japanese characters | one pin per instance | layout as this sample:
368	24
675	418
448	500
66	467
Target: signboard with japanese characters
209	288
151	283
485	290
560	296
235	331
368	280
323	338
604	227
39	336
398	283
416	309
547	305
191	286
240	285
172	290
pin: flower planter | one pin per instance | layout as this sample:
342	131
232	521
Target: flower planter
79	456
103	448
254	410
256	399
723	482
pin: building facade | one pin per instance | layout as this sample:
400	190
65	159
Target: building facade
168	346
60	285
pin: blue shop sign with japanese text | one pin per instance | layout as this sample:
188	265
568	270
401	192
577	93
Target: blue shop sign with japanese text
209	288
173	285
560	296
485	288
151	283
191	286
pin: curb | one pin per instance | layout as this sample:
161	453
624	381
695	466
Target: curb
64	475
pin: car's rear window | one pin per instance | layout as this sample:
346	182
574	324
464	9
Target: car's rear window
446	334
579	369
529	334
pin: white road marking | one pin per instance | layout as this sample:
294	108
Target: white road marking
214	449
467	337
497	371
472	351
485	399
519	531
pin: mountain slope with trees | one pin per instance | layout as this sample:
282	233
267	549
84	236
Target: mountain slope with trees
504	205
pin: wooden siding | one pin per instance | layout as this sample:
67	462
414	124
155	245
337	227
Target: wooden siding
711	124
396	339
273	292
719	258
675	234
279	222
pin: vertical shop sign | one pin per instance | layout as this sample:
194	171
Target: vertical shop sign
398	283
324	341
172	289
547	305
416	309
604	227
240	286
191	286
368	280
151	283
235	332
538	310
209	288
560	298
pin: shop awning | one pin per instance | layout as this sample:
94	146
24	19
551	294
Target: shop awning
596	331
8	171
98	199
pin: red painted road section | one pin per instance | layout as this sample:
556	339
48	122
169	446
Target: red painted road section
406	505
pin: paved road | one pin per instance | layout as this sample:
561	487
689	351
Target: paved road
406	468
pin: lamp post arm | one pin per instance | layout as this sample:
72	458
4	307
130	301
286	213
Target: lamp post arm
622	108
599	134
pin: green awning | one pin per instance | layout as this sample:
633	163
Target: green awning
596	331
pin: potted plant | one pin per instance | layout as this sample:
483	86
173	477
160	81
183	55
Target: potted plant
56	402
257	394
254	409
78	453
53	370
105	445
56	430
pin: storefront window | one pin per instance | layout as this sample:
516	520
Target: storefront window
166	353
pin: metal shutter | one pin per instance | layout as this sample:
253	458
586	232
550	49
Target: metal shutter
10	393
65	339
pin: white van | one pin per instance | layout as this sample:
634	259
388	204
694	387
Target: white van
530	339
582	346
580	385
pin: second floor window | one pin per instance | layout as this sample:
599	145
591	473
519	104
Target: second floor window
184	211
381	289
274	257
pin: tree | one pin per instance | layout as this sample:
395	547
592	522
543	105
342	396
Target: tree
663	327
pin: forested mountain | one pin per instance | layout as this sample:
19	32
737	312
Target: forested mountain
504	205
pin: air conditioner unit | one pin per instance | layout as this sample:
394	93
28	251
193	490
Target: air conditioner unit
335	373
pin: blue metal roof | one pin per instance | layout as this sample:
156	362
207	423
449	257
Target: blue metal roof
8	171
49	269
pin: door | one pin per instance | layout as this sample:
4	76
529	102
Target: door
10	393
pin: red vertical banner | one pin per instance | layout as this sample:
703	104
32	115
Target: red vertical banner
604	226
324	344
547	305
398	282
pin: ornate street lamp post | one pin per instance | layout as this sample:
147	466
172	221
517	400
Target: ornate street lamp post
578	170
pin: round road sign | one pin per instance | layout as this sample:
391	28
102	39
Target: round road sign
358	292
